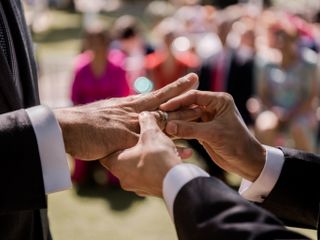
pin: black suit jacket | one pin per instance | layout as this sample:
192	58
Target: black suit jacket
205	208
296	196
22	197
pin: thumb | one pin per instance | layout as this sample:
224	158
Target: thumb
116	161
185	130
147	121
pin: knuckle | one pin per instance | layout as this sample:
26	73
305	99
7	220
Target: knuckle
228	98
156	94
179	82
182	131
179	115
193	92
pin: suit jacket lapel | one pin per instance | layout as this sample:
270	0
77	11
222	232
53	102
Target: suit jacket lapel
8	91
28	75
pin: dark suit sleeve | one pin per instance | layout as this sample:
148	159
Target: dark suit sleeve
21	180
296	195
205	208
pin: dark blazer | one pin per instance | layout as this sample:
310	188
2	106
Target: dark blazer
22	200
205	208
295	198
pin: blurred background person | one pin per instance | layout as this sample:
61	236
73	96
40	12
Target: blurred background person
232	68
38	15
129	39
167	63
288	87
97	76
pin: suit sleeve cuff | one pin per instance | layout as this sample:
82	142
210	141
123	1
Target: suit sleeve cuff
176	178
55	169
258	190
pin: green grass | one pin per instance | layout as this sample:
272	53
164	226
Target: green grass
111	214
108	214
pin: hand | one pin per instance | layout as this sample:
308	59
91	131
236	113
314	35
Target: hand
142	168
95	130
221	131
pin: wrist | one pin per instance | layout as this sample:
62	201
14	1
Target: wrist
170	162
257	160
67	122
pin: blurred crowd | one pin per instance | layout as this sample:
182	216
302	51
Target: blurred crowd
266	58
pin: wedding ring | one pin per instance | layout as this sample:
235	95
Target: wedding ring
163	116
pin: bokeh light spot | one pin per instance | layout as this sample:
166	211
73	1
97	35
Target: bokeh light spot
143	85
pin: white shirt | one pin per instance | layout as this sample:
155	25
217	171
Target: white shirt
256	191
55	169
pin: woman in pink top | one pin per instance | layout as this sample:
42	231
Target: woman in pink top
98	75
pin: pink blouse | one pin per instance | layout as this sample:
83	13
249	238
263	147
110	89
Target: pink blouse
89	88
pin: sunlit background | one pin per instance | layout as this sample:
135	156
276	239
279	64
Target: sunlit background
159	42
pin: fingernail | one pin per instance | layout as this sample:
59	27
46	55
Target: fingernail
190	76
143	114
187	151
171	128
196	85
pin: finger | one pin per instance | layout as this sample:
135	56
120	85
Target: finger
185	115
115	162
160	118
184	153
186	130
200	98
152	100
147	121
187	99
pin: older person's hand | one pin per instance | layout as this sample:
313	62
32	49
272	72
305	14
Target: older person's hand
221	131
96	130
142	168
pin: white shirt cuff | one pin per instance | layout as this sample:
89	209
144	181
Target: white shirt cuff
55	169
258	190
176	178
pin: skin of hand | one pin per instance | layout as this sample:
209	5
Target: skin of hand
220	130
96	130
142	168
